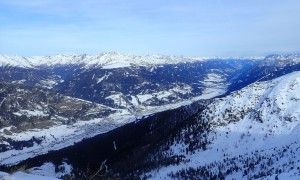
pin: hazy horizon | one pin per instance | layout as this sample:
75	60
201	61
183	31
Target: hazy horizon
193	28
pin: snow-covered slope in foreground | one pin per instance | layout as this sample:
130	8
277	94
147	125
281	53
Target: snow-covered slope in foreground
254	133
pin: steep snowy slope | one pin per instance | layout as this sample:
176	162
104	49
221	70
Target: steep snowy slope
253	133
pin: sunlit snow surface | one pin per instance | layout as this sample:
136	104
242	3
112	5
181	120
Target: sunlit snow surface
275	127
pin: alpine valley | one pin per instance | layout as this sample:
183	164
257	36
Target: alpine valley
116	116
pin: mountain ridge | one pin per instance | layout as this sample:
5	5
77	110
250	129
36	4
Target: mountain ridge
105	60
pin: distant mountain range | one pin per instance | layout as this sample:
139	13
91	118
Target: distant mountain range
106	60
51	102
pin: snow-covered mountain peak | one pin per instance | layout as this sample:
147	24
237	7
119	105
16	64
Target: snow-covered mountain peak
59	59
14	60
108	60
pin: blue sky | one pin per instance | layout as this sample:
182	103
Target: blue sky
171	27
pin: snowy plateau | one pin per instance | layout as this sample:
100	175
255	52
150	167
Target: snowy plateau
159	116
